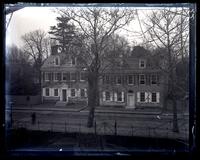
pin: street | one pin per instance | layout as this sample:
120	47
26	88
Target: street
105	123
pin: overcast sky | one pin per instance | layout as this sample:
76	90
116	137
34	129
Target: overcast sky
32	18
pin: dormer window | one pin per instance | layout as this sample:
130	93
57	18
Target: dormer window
56	61
142	63
73	61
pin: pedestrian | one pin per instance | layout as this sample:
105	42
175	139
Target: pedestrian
33	117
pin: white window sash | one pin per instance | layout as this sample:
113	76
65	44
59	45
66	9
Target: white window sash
157	97
138	96
104	96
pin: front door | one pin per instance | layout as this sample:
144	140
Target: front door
131	101
64	95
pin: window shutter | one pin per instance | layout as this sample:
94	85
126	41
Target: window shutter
122	96
85	92
68	92
157	97
104	96
43	91
68	76
146	97
134	80
111	96
138	96
76	92
150	97
115	96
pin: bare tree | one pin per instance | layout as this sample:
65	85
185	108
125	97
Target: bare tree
37	46
96	25
168	29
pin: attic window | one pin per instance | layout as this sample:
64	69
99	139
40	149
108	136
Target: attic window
73	61
57	61
142	63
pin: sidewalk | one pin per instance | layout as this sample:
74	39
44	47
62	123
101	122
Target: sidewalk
101	109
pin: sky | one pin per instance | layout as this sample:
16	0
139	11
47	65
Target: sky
31	18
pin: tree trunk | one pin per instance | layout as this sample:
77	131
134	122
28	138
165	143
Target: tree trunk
175	119
92	97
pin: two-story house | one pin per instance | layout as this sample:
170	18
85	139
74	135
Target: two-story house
129	82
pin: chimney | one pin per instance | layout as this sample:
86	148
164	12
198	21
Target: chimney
54	50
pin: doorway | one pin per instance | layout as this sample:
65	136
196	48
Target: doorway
64	95
131	100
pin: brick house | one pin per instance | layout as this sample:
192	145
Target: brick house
131	82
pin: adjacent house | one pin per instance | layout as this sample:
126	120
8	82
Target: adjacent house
130	82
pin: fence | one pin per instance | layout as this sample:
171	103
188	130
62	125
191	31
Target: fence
163	130
24	100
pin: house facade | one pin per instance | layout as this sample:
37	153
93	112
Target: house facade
130	82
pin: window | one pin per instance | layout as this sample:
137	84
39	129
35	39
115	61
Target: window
73	93
64	76
118	80
130	79
142	96
73	76
47	76
56	61
142	79
107	79
47	91
82	93
142	63
107	96
73	61
55	92
57	76
82	76
119	96
153	79
154	97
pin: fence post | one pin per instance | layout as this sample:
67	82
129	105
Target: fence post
115	127
104	127
65	126
132	130
51	126
95	128
38	125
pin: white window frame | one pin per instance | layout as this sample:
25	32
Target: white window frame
55	76
117	80
152	79
63	76
73	80
157	97
140	79
74	92
72	61
82	89
122	97
144	97
58	61
140	62
82	80
46	76
54	92
109	96
46	92
132	80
